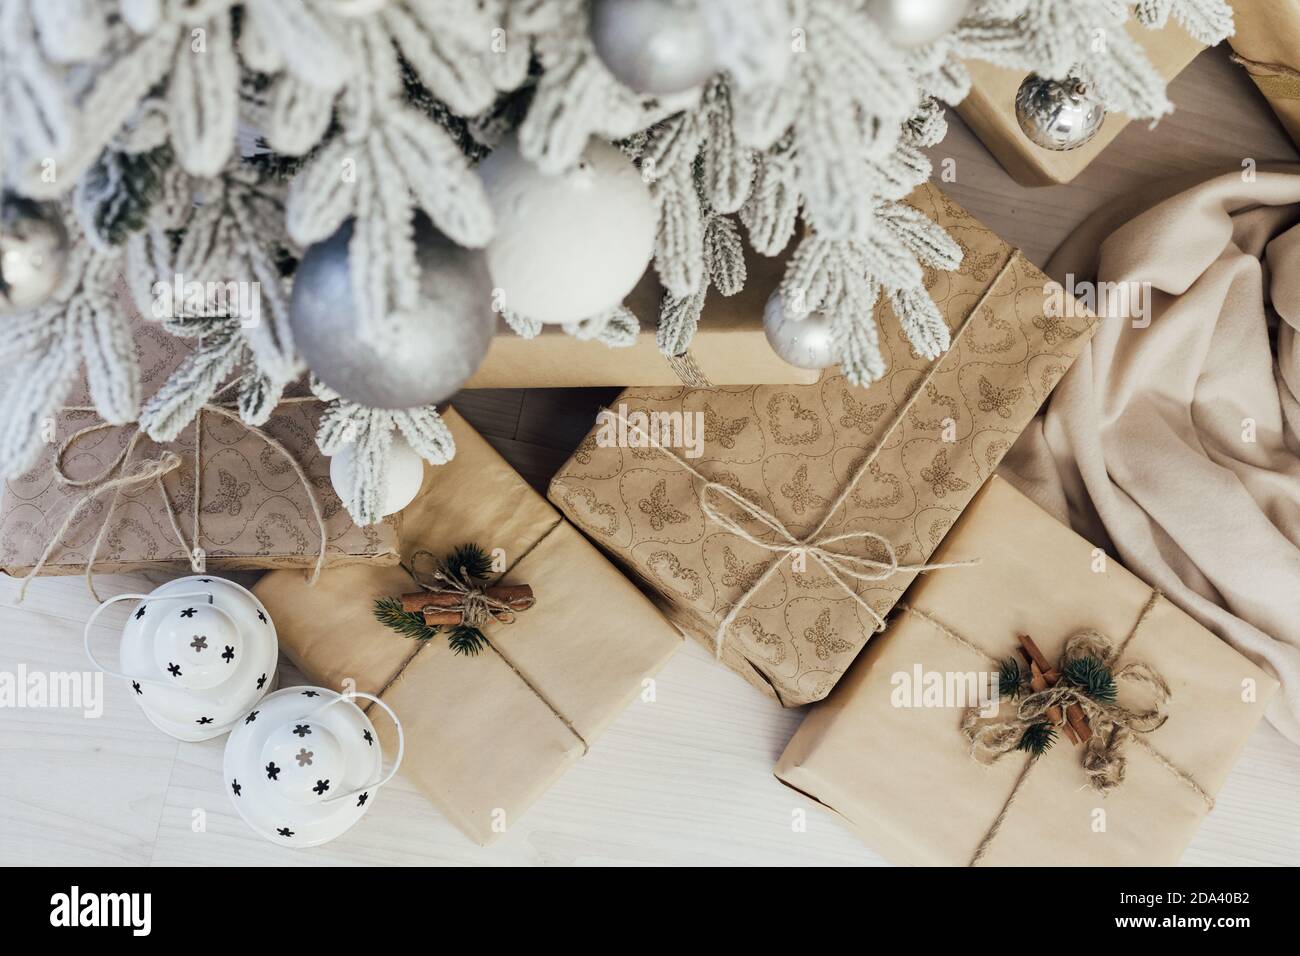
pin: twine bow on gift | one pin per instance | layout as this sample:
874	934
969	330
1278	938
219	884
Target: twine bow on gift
473	601
454	594
840	567
124	473
1082	696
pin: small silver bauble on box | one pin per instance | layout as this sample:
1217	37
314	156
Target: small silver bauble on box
567	246
1058	114
34	250
916	22
655	47
304	766
434	349
803	342
198	653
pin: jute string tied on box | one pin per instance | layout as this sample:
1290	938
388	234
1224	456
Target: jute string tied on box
1273	79
841	567
1112	725
123	473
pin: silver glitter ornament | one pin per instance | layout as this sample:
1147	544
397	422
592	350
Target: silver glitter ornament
1058	114
34	250
916	22
655	47
803	342
436	349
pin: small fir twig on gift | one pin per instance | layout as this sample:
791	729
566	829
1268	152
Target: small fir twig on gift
1035	675
455	600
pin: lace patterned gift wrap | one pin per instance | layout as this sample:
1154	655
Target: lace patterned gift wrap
929	780
808	509
258	500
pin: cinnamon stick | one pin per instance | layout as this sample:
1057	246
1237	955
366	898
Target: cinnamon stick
1075	724
517	597
1038	682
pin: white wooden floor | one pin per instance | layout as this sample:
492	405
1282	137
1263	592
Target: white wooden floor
685	780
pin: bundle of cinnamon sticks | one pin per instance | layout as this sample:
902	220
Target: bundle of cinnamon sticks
1074	724
441	609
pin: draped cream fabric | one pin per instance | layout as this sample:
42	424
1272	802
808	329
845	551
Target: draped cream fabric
1177	444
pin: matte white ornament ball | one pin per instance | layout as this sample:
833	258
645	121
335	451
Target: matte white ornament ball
402	478
34	250
916	22
436	347
655	47
1058	114
571	245
804	342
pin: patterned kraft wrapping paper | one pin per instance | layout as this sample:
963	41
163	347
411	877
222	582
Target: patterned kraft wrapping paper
479	741
254	512
903	777
792	449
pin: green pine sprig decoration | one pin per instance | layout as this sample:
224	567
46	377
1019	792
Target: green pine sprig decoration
392	615
1091	675
1013	680
467	563
470	558
1037	738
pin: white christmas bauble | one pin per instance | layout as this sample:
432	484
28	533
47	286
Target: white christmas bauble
33	253
655	47
1058	114
804	342
437	346
916	22
567	246
402	481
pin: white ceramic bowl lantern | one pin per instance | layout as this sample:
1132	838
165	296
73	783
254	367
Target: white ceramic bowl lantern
198	652
304	766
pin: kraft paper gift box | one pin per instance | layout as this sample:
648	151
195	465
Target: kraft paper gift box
486	735
254	511
1267	44
990	110
903	776
920	442
729	348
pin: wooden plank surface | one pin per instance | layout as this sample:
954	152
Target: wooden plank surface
685	779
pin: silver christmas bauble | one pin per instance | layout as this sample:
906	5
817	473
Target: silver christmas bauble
916	22
655	47
1058	114
33	253
804	342
435	347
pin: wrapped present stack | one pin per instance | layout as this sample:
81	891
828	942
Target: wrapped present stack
741	537
489	731
935	771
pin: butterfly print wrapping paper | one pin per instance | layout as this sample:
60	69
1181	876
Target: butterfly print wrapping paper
253	512
934	432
